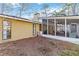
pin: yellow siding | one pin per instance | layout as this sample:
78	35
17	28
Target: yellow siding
19	30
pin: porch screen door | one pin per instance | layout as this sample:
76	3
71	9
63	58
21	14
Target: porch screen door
73	30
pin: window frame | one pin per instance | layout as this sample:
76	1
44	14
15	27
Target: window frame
7	29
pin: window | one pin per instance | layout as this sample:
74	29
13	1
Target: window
6	30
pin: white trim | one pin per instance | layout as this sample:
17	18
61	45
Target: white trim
71	40
65	27
42	27
55	26
15	18
63	17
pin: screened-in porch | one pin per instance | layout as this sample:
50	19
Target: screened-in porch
61	26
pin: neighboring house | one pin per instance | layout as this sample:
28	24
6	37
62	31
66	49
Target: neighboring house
64	26
15	28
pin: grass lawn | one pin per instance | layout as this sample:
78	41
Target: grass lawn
39	46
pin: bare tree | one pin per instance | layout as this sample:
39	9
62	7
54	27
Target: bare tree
6	8
67	7
74	8
23	8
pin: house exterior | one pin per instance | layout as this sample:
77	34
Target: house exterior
62	26
15	28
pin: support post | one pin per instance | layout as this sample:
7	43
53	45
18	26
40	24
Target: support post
47	22
65	27
42	26
47	27
55	26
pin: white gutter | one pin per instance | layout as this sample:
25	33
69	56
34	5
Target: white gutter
15	18
63	17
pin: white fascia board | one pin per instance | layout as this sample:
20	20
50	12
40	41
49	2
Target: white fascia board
15	18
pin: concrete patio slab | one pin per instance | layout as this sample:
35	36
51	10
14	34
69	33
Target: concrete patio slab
72	40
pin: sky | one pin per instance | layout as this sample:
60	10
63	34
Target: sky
36	7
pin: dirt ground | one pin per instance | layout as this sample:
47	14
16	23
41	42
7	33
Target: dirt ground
38	46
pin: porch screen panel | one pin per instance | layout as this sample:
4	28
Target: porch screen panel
44	22
73	28
51	27
60	27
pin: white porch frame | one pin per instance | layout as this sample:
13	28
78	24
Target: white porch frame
69	39
65	24
55	26
65	27
55	23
